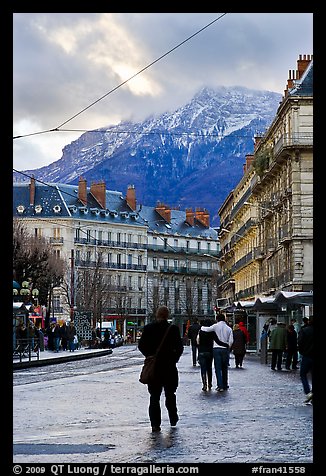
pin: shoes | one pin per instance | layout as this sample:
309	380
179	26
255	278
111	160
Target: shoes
295	368
174	421
308	397
220	389
156	429
204	389
209	386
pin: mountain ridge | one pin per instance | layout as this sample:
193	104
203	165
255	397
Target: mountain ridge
192	157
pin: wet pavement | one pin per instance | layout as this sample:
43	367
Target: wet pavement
96	411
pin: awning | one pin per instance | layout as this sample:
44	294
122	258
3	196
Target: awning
274	303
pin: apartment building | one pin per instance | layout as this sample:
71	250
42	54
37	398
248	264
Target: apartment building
134	257
266	231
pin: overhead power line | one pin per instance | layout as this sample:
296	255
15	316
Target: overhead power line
57	129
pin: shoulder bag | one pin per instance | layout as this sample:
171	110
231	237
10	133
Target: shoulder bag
147	374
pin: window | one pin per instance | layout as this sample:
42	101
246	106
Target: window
155	263
88	235
56	303
187	245
198	245
140	283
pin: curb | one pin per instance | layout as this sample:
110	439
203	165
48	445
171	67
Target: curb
58	360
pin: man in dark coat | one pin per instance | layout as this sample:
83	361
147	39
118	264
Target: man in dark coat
166	370
305	346
192	334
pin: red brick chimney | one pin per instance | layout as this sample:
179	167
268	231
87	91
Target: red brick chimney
98	191
131	197
32	191
82	190
164	211
202	216
190	217
249	161
302	64
257	141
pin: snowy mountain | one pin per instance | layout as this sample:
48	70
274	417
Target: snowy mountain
191	157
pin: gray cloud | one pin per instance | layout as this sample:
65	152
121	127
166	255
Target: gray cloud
63	62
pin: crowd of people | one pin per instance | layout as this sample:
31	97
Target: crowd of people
212	342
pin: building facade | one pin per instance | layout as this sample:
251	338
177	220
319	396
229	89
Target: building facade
266	231
123	260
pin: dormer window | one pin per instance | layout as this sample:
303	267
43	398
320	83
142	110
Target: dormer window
38	209
20	209
57	208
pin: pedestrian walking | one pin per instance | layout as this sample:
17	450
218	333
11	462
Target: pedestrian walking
63	334
56	337
205	342
305	346
166	371
224	335
71	333
277	344
192	334
291	348
243	328
239	346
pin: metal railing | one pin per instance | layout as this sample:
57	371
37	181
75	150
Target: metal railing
27	348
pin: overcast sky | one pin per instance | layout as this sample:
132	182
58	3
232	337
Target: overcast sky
63	62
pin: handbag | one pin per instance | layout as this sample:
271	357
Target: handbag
147	374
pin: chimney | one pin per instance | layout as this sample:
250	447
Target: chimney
257	141
249	161
32	191
82	190
131	197
99	193
302	64
190	217
164	211
202	216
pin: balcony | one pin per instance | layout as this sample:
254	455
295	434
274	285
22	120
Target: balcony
56	240
295	140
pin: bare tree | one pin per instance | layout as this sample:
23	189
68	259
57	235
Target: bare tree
34	259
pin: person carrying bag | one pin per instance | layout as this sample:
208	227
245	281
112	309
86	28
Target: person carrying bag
162	340
147	374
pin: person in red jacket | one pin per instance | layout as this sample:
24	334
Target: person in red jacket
243	328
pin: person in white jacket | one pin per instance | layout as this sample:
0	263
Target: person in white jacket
223	340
